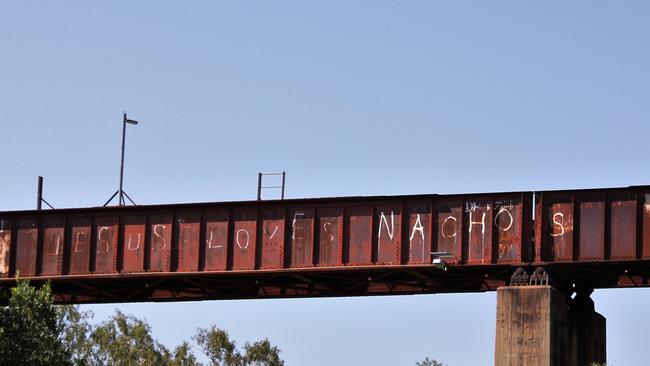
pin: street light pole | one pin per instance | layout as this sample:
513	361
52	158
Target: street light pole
120	191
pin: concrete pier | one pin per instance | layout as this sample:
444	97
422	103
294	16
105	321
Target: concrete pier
540	326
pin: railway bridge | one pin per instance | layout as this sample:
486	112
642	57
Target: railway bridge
543	252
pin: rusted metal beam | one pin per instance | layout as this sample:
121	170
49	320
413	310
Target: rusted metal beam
330	246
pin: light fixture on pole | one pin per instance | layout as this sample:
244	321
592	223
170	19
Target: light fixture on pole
120	191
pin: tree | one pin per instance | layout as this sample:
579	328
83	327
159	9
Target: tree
121	340
30	328
428	362
126	340
261	353
75	333
182	356
35	332
216	344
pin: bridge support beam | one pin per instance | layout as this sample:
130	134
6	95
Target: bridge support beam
538	325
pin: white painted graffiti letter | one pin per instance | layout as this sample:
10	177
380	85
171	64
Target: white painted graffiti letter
559	223
158	231
383	221
472	223
137	245
294	225
275	230
103	244
77	242
326	228
209	241
444	225
510	218
58	245
417	227
4	247
239	243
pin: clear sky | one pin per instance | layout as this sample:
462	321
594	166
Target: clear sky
350	98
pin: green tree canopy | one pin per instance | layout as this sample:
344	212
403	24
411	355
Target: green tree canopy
125	340
35	332
121	340
261	353
222	351
30	328
75	333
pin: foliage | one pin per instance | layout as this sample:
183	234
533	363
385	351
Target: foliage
29	328
222	351
35	332
182	356
75	333
428	362
121	340
261	353
216	344
125	340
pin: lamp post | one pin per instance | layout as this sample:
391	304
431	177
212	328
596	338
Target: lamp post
120	192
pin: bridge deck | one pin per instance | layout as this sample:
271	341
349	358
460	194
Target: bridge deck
330	246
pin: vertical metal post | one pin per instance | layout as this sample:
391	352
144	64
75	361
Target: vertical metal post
284	175
39	193
120	191
259	186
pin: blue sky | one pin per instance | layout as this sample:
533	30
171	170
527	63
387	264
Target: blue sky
350	98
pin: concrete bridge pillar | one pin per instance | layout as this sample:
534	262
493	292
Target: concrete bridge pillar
540	326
